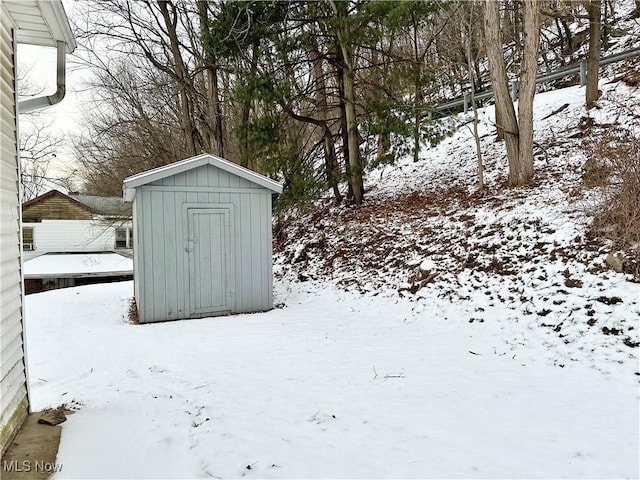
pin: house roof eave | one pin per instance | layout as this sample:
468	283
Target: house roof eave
40	22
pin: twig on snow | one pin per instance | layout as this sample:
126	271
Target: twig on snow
395	376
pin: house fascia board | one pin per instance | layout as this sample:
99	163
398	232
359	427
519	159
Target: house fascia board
58	22
131	183
40	22
115	273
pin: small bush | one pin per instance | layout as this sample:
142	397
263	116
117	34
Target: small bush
134	319
613	166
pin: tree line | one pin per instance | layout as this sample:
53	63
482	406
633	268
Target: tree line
313	93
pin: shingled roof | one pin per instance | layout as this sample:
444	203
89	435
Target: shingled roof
108	206
105	206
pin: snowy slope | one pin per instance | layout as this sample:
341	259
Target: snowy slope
332	385
519	258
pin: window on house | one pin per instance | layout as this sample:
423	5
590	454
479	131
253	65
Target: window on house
123	238
27	239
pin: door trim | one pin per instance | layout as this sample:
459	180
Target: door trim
226	210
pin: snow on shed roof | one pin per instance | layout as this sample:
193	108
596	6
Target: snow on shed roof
131	183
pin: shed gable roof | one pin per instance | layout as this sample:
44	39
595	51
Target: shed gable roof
131	183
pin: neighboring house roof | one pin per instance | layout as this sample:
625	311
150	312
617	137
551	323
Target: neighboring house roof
108	206
52	194
40	22
131	183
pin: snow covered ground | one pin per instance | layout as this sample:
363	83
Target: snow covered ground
333	384
518	258
431	333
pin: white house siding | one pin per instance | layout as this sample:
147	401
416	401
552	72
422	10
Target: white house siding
13	389
161	267
71	236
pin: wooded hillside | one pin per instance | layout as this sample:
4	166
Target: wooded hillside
316	94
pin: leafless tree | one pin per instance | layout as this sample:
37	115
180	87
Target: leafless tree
467	22
38	149
157	91
518	132
343	34
38	144
594	8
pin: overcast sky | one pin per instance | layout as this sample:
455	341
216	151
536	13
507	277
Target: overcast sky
37	67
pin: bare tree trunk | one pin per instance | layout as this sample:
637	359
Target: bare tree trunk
348	76
384	145
216	110
518	133
562	25
216	140
531	29
605	24
181	71
499	122
593	61
417	101
497	68
383	138
331	161
478	81
472	82
246	111
355	163
343	122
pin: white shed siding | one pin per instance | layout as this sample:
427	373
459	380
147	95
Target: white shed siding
162	269
71	236
13	390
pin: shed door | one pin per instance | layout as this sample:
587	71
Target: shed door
209	260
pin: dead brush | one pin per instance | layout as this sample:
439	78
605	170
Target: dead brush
134	318
613	168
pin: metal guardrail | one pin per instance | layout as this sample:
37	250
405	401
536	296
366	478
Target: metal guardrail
581	69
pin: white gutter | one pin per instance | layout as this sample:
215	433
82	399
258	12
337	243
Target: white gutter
48	100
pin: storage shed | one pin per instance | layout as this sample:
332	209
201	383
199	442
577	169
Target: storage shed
202	239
